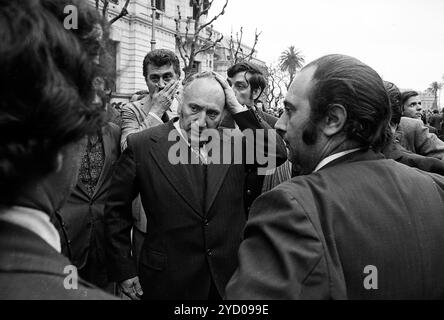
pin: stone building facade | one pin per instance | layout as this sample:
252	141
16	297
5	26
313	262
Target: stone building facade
131	35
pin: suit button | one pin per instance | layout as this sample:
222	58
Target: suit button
206	222
69	241
209	252
249	192
248	208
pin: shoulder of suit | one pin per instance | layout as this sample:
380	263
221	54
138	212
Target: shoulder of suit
271	120
407	122
153	133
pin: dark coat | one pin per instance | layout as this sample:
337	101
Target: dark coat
312	237
31	269
82	233
192	236
254	181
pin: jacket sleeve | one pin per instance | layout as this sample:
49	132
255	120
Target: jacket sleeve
118	218
131	123
428	144
280	251
247	120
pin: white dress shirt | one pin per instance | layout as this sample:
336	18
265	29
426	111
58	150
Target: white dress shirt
202	154
332	157
35	221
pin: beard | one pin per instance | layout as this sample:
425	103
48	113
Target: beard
310	133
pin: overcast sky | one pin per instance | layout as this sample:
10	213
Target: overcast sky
403	40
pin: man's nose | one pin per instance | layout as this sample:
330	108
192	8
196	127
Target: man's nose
280	125
202	120
161	84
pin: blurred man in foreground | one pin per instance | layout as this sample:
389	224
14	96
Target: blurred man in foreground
42	136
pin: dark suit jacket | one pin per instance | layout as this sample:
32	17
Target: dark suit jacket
414	136
192	239
31	269
312	237
83	238
254	181
396	152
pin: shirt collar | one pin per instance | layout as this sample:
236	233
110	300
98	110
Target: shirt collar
202	152
177	126
34	220
332	157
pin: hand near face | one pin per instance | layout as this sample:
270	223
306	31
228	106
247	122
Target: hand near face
161	100
231	103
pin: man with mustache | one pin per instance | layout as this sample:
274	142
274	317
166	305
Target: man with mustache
349	228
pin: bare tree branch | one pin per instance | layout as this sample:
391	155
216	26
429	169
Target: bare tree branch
105	8
179	42
122	13
209	46
205	11
222	12
239	42
256	39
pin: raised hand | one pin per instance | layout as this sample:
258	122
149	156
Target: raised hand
161	101
231	103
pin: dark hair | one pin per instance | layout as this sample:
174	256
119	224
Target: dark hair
395	101
344	80
159	58
406	95
257	79
38	55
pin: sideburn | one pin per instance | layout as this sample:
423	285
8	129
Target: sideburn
310	133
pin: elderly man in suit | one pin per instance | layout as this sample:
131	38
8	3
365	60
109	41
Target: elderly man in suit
42	136
195	210
349	228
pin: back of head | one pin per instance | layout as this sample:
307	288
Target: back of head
257	79
46	77
406	95
159	58
346	81
395	101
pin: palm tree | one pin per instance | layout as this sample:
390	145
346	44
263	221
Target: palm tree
434	88
291	60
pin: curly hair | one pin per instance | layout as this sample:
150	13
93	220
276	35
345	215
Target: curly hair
46	89
159	58
257	80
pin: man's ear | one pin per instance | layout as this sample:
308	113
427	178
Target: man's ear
256	93
335	119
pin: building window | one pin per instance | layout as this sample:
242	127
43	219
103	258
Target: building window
196	67
206	4
160	5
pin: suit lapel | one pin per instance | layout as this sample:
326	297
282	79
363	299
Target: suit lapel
216	173
215	176
175	174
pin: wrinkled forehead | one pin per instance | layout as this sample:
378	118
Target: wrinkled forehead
205	91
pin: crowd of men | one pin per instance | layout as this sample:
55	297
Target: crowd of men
198	193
